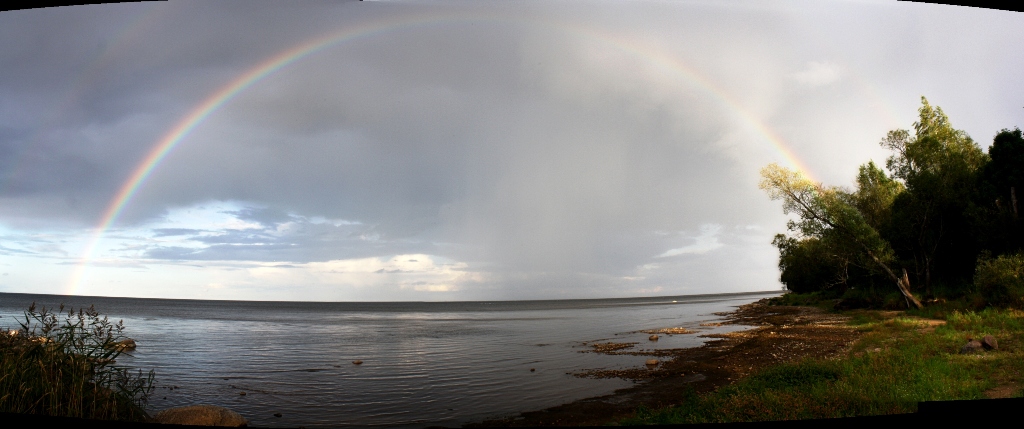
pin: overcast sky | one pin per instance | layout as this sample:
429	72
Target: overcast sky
457	150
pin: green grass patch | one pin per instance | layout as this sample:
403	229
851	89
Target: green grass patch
889	370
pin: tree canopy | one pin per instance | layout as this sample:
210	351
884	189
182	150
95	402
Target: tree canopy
940	204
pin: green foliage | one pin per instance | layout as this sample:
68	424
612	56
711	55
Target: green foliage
936	151
64	364
829	214
943	203
807	265
1000	184
931	228
1001	280
875	195
819	299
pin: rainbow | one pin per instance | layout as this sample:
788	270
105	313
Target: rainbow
217	99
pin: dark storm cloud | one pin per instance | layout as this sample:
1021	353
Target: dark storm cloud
87	90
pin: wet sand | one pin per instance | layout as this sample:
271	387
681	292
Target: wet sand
779	334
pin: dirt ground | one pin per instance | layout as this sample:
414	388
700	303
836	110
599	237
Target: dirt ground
781	334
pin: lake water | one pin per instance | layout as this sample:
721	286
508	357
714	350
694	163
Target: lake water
424	363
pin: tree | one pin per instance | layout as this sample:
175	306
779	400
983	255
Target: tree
1000	183
808	265
930	229
829	214
875	195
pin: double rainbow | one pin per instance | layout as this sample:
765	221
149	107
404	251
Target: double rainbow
271	65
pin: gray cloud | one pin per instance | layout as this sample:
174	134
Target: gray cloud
541	143
170	232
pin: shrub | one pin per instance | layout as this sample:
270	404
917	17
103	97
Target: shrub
807	265
1001	280
64	364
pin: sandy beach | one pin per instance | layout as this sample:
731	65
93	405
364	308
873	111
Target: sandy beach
779	334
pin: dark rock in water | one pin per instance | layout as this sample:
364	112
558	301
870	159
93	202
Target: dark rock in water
202	415
277	414
972	346
533	369
357	362
990	343
241	393
125	345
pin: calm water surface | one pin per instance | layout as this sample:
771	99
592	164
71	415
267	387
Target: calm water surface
442	363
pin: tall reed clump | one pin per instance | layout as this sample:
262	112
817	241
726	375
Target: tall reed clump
64	364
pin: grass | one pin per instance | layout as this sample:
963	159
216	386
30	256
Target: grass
65	364
894	365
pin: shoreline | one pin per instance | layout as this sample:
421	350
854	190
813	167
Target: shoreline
779	334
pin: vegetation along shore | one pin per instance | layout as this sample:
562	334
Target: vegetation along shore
906	288
64	363
805	359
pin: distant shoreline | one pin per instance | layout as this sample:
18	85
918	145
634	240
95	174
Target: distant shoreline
666	297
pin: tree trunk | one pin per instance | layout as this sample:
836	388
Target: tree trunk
902	283
1013	198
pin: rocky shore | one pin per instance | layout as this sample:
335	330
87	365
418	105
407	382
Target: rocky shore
779	334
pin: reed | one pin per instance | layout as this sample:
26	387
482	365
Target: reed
64	363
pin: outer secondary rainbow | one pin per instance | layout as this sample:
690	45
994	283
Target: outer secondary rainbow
212	103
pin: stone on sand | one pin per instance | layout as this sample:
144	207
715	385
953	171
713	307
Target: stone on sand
972	346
